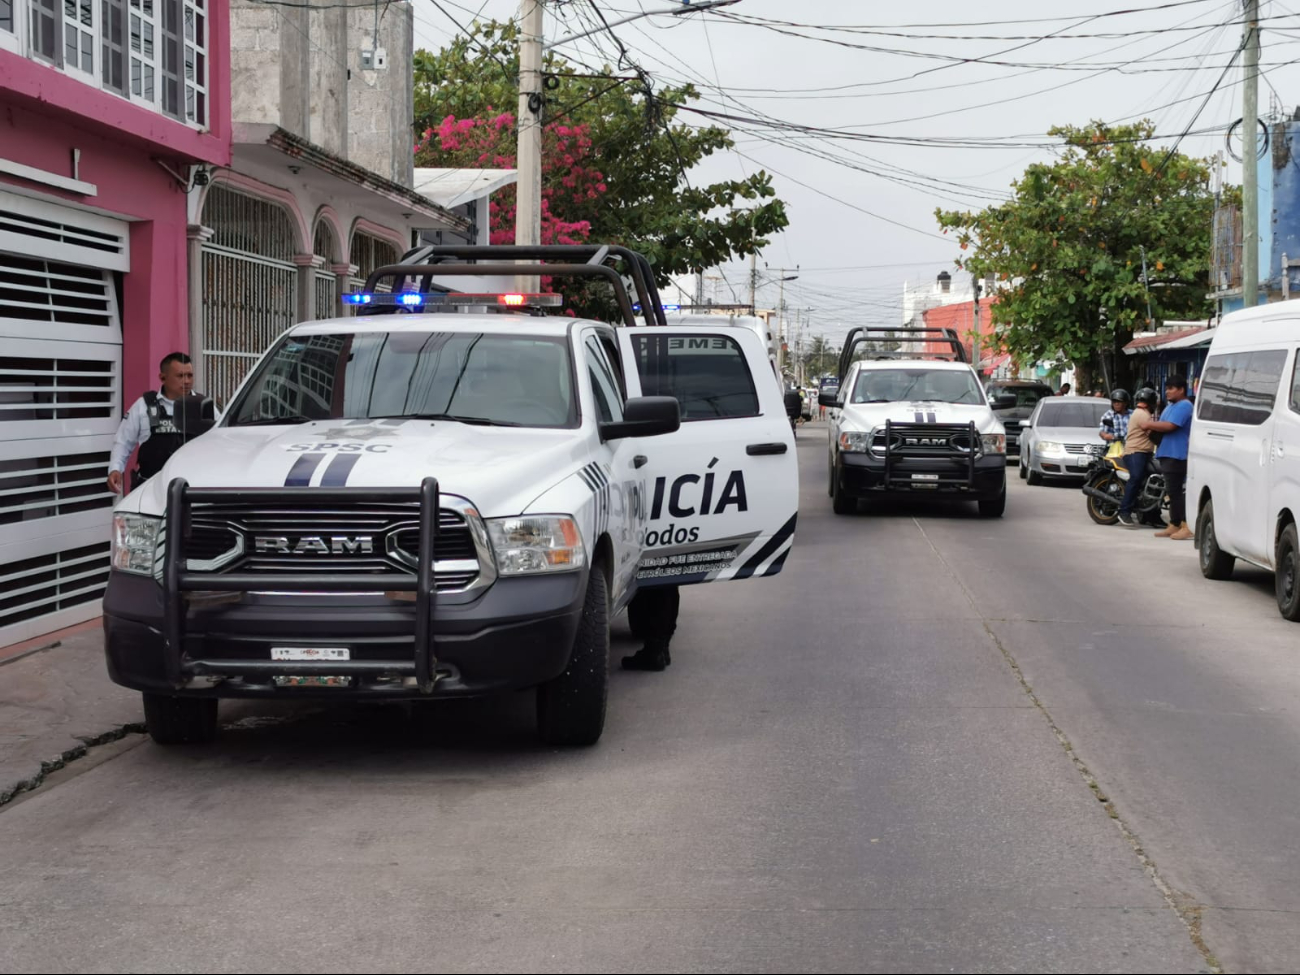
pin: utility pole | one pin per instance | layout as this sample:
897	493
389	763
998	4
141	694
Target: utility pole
975	322
528	210
780	311
753	281
1250	159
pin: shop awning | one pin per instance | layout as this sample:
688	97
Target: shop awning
1182	339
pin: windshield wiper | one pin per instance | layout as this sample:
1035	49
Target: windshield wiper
479	421
267	421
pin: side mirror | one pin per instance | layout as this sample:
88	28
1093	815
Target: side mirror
645	416
1007	401
828	399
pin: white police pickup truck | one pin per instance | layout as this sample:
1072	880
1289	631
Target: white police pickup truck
913	423
443	503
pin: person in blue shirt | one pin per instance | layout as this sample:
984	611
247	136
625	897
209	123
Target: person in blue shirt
1175	424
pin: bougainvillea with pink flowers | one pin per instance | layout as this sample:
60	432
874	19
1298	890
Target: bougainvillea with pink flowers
571	186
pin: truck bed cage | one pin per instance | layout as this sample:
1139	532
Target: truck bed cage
566	260
950	347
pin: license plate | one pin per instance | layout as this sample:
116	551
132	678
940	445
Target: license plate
311	680
311	653
925	477
1083	461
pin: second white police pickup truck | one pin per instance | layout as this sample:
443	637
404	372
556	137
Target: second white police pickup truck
429	500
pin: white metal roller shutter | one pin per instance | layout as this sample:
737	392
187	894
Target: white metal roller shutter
60	403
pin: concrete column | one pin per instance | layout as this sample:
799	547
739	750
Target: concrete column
196	234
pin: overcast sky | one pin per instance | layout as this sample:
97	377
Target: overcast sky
862	226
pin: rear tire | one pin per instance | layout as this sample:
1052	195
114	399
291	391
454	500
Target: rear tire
571	708
1034	477
180	720
1215	563
994	507
1287	579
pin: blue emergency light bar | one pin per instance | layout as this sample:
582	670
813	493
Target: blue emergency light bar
637	307
453	299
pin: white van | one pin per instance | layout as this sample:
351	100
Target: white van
1243	470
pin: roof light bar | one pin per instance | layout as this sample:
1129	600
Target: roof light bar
454	299
637	307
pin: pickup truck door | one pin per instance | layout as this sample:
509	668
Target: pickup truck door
723	491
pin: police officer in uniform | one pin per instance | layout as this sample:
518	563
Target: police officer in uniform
652	614
159	422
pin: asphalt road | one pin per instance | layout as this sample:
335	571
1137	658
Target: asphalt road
934	743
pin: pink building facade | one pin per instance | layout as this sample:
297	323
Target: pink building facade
108	109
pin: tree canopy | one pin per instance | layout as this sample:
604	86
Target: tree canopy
1069	244
615	157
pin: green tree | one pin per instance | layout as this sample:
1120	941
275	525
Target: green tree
820	358
1069	243
640	151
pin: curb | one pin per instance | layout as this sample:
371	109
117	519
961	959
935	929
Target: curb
11	792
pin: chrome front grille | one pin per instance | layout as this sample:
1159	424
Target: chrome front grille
374	539
1078	448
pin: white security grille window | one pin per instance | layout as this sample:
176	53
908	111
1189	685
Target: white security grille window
113	59
45	18
79	35
368	253
144	50
8	23
196	61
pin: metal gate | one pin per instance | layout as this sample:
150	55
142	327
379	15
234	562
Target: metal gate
326	298
250	285
60	403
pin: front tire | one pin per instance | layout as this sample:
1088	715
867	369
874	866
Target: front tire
180	720
571	708
1106	512
1287	579
1024	471
994	507
1034	478
1215	563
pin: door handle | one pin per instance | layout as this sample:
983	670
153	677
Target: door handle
1219	436
640	460
758	449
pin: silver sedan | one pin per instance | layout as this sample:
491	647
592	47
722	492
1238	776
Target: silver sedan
1054	441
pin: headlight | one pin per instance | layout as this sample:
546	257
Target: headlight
135	541
855	442
529	544
1048	447
994	443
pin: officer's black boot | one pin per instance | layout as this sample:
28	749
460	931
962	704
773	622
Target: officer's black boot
653	656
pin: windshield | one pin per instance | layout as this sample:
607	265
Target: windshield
469	376
1025	395
1085	414
930	385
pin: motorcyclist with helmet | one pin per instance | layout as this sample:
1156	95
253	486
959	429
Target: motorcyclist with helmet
1114	422
1139	450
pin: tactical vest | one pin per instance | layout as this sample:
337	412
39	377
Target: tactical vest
164	439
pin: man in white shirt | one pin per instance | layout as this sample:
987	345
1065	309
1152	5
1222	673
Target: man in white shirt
150	424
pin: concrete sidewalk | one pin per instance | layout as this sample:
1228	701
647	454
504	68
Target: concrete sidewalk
56	701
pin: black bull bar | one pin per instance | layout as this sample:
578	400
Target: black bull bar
178	580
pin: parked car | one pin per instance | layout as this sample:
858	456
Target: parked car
1054	441
1027	393
1243	461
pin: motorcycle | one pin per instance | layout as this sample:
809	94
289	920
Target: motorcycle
1104	485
